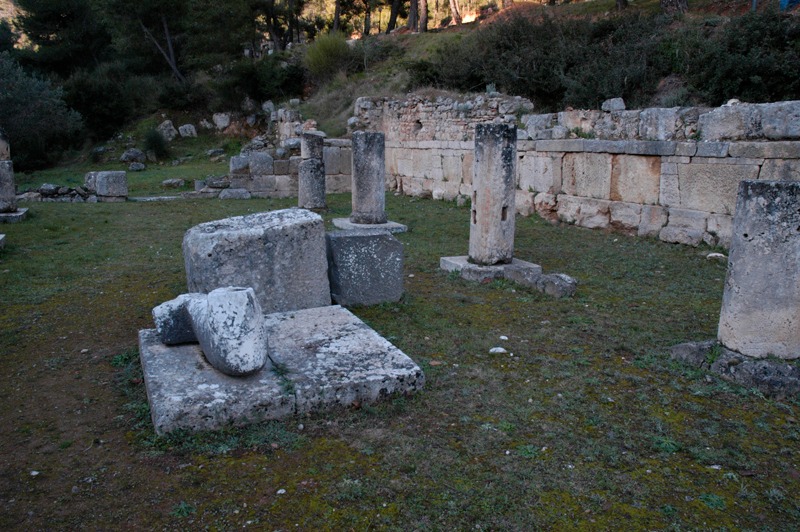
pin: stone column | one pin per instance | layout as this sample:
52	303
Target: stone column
491	231
311	145
311	185
5	147
8	188
761	303
369	180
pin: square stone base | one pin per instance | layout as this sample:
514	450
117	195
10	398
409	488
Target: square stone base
13	217
475	272
322	358
346	224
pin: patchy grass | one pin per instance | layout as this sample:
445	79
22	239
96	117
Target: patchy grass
588	425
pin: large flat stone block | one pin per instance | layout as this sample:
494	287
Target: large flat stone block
761	302
539	174
280	254
327	358
365	267
712	187
635	179
587	175
111	184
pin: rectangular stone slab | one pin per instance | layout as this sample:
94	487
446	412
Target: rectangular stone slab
326	357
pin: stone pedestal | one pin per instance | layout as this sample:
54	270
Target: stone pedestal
369	181
761	303
312	145
8	189
280	254
491	234
311	185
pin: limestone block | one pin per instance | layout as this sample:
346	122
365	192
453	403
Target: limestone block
294	165
132	155
713	149
625	216
562	145
280	254
491	235
187	130
546	206
239	164
568	208
535	123
613	104
712	187
365	267
765	150
593	213
260	163
173	323
234	193
221	120
781	120
669	193
311	185
167	130
635	179
658	123
286	186
684	227
336	184
369	178
587	175
760	315
581	120
312	145
230	328
652	220
780	170
467	167
721	226
8	188
262	183
337	159
111	184
685	149
452	167
735	122
5	146
524	202
539	173
445	190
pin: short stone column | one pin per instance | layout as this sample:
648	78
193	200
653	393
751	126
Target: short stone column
8	189
369	180
5	146
761	302
312	145
311	185
491	234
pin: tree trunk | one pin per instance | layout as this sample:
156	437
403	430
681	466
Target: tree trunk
622	4
674	6
367	20
396	4
455	12
423	16
413	15
169	57
337	14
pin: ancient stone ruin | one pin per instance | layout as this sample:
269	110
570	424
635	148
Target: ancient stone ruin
760	317
108	186
491	234
311	172
368	188
274	346
9	212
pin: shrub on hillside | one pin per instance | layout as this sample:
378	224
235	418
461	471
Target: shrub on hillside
156	143
327	56
35	117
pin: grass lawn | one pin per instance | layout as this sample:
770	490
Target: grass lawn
588	425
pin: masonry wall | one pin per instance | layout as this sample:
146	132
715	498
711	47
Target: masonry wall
668	173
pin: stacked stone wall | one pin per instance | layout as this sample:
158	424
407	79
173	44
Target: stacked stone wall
667	173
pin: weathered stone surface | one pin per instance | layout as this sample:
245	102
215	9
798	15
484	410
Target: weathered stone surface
5	146
721	227
635	179
312	145
280	254
111	184
712	187
329	358
175	183
735	122
760	313
491	235
369	181
235	193
587	175
653	219
775	379
239	164
365	267
311	184
14	217
8	187
189	131
684	227
136	167
765	150
613	104
221	120
658	123
173	323
167	130
479	272
260	163
524	203
713	149
546	206
337	160
539	173
625	216
780	120
780	170
133	155
347	225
